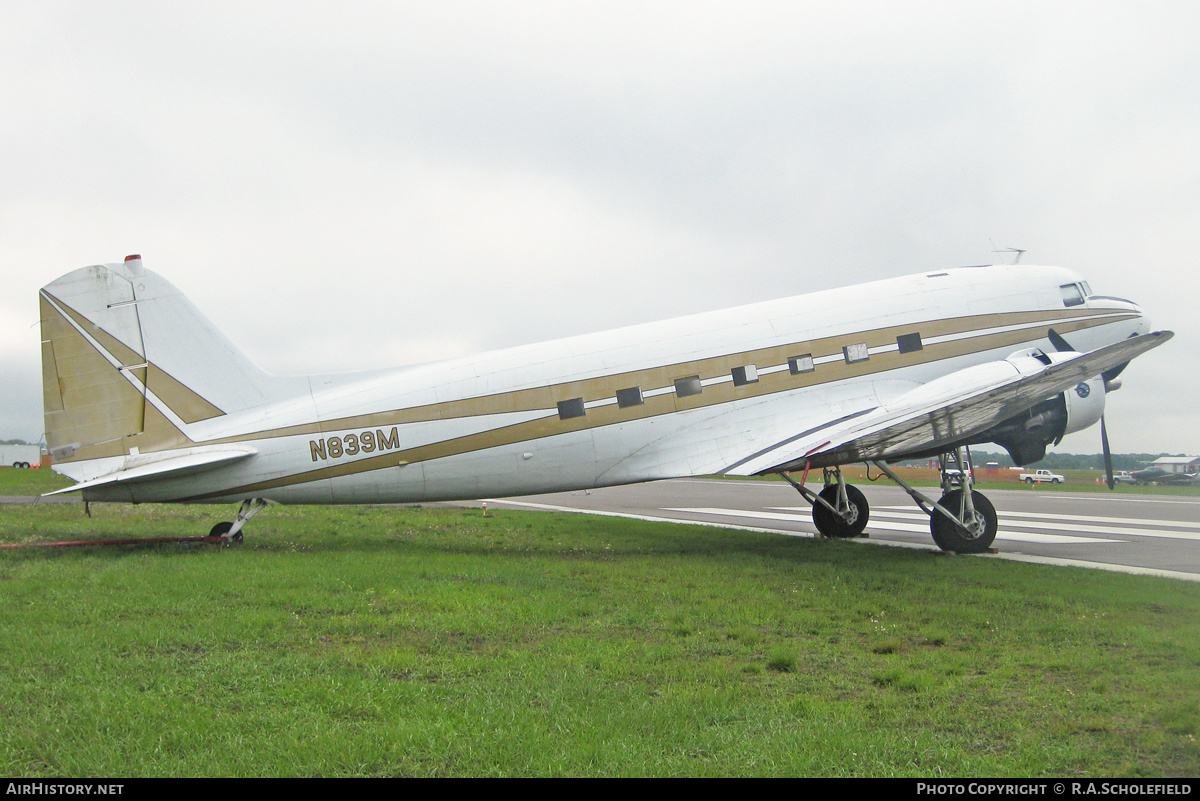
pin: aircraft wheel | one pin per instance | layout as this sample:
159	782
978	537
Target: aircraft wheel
950	537
221	529
832	525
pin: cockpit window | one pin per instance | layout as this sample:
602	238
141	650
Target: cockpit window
1071	295
1087	289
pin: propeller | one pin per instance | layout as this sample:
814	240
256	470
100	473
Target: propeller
1108	471
1110	376
1111	382
1061	345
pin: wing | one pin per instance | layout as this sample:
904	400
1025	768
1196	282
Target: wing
950	409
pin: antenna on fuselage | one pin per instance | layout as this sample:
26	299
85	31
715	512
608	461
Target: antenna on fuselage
1018	251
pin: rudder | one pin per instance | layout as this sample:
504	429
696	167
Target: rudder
129	365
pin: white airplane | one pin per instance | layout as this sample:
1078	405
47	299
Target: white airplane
145	401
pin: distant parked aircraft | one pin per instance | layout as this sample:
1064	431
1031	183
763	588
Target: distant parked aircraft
1156	475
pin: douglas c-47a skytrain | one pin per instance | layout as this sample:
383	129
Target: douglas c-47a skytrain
145	401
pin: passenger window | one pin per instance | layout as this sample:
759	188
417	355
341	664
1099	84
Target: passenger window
745	375
1071	295
855	353
907	343
800	364
629	397
571	408
687	386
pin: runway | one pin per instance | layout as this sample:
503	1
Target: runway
1147	534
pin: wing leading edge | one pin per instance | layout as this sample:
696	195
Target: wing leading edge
949	410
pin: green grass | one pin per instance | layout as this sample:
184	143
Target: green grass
30	481
437	642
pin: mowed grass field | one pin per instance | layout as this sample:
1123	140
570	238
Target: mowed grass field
438	642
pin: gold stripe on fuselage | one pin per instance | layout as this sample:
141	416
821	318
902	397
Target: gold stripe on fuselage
545	398
605	387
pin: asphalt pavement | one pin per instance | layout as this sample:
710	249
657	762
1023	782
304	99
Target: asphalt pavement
1148	534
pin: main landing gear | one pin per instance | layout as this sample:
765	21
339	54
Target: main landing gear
232	532
840	510
962	520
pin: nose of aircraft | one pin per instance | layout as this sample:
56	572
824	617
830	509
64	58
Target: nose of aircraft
1139	325
1142	322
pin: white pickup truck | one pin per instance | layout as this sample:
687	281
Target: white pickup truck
1042	476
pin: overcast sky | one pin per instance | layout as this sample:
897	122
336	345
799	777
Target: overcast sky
350	185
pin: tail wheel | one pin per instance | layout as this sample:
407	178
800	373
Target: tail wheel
223	528
982	529
833	525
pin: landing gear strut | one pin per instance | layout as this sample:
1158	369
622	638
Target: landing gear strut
840	510
232	532
962	520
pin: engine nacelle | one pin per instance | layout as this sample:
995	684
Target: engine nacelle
1026	436
1085	405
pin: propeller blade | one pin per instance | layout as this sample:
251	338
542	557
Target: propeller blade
1108	471
1061	345
1111	375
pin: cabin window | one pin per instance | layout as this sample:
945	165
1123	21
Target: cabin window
907	343
1071	295
801	364
855	353
629	397
570	408
747	374
687	386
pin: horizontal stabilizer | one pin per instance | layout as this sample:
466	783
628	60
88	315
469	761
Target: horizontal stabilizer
181	464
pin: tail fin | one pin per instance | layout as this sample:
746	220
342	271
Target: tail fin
129	365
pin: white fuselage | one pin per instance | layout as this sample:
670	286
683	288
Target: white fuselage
562	415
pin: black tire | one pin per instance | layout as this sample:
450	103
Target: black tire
830	524
950	537
16	464
1029	481
221	529
1055	481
